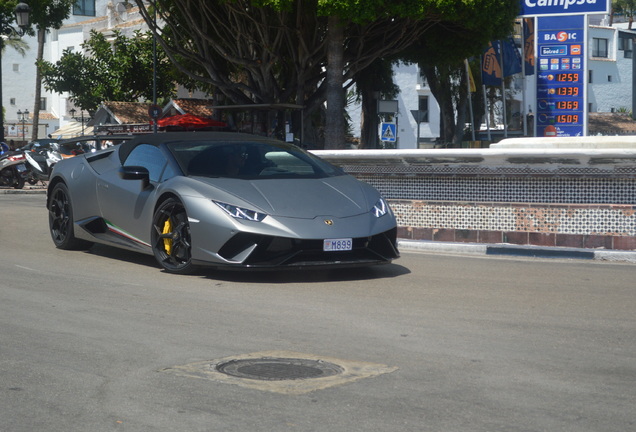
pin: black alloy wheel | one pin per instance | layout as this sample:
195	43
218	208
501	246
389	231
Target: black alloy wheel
171	241
61	220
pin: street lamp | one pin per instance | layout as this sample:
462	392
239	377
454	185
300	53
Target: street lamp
23	116
72	111
22	20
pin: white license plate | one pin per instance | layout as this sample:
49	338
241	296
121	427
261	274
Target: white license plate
334	245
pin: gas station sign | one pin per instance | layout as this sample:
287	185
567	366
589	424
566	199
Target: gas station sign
562	7
561	67
561	85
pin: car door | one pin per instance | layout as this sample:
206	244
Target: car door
127	205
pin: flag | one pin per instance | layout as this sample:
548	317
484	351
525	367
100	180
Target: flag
490	66
471	80
511	57
492	71
528	45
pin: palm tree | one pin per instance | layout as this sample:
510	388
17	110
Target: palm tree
17	44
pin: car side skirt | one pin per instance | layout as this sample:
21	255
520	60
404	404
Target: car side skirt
102	231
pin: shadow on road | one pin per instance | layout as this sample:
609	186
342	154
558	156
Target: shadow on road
306	275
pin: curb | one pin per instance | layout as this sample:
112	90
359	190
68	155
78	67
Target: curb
517	250
26	190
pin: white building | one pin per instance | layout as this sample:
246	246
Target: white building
100	15
610	67
18	77
18	89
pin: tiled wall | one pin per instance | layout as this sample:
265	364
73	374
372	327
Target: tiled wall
577	225
586	200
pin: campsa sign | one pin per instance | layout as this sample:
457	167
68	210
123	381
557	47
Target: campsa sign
563	7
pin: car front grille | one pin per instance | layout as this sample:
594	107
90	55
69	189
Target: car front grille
281	251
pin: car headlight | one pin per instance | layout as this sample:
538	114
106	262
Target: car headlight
241	213
380	208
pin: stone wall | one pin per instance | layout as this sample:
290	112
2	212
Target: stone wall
571	197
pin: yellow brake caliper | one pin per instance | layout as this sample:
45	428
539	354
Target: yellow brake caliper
167	242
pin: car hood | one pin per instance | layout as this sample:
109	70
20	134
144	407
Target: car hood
340	196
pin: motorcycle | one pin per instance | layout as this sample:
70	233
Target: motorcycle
13	171
41	162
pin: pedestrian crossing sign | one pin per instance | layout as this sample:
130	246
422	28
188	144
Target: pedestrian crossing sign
389	132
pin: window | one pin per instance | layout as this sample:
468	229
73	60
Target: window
16	67
12	101
249	160
43	104
599	47
84	7
149	157
625	45
423	109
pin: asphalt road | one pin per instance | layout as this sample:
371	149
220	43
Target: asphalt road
105	341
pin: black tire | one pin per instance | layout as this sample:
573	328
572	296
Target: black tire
171	241
61	220
32	180
19	182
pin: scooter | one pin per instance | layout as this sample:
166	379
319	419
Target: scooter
41	162
13	171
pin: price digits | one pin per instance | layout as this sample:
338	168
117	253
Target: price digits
567	105
567	91
568	77
567	118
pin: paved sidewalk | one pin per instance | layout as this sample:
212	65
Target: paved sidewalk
28	189
517	250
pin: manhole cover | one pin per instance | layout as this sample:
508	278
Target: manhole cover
279	369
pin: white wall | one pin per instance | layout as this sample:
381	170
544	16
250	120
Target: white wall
603	94
18	83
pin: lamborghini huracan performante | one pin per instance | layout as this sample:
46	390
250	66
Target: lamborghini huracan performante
219	199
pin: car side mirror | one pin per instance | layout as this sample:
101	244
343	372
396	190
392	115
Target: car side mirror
136	173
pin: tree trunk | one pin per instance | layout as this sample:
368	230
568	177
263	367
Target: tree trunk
439	82
335	124
38	86
462	109
369	120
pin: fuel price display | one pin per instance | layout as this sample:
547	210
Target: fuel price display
567	91
560	76
568	77
567	105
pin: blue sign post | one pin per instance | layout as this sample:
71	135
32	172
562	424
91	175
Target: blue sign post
388	132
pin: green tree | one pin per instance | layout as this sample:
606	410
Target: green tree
267	51
305	52
627	8
441	52
105	71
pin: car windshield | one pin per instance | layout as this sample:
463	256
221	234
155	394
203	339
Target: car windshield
249	160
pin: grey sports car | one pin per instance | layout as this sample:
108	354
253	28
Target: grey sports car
219	199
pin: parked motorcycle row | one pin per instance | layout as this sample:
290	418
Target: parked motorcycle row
34	162
13	171
30	164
